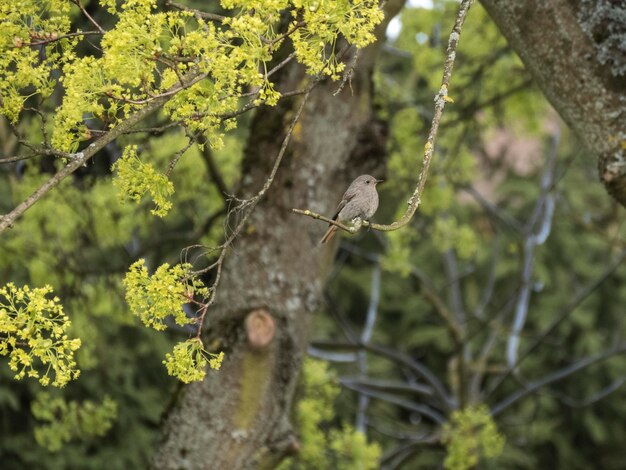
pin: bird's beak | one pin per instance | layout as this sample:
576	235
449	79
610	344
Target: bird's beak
380	181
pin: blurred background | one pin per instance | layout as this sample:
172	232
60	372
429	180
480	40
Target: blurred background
502	297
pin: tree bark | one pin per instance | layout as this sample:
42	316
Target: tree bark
575	51
238	417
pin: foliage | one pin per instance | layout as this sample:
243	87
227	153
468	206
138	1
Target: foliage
20	67
67	421
320	447
470	435
154	298
32	331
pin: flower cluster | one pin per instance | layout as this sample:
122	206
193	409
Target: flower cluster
470	435
135	178
162	295
33	334
189	359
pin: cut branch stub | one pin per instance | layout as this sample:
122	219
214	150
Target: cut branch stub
260	328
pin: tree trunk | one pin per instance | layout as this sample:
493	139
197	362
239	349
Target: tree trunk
238	417
576	53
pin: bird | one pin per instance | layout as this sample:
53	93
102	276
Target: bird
359	201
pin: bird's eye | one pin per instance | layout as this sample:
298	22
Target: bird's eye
367	181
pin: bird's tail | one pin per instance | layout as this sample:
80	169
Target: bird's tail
330	233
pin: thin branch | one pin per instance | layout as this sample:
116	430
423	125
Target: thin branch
392	386
417	367
199	13
537	234
91	20
248	205
431	295
561	316
48	40
348	73
366	335
456	296
479	311
596	397
560	374
81	158
19	158
424	410
331	356
177	155
212	168
172	91
440	101
494	211
396	457
471	109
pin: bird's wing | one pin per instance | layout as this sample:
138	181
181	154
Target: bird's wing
347	197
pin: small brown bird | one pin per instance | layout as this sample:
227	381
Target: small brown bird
360	200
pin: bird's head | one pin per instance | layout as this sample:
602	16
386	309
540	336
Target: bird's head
368	180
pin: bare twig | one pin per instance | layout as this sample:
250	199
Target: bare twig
417	367
537	233
596	397
366	335
199	13
440	101
172	91
555	376
560	317
392	386
348	73
248	206
212	168
177	155
91	20
48	40
435	300
424	410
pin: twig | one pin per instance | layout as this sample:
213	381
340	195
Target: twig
536	235
212	168
440	101
172	91
417	367
46	40
348	73
93	22
331	356
555	376
387	385
199	13
561	316
424	410
599	395
366	335
81	158
248	205
433	298
180	153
